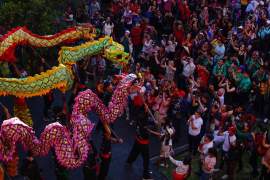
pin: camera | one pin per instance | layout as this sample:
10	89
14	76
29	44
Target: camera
174	102
161	93
190	77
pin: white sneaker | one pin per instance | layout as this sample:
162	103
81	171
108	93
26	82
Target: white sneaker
216	170
132	123
161	164
225	176
265	120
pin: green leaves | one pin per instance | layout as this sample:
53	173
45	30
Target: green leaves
39	16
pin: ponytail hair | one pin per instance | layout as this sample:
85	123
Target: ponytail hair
187	161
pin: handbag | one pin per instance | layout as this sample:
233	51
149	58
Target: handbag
178	115
100	73
137	101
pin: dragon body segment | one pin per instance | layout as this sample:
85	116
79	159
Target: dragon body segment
58	78
22	36
71	146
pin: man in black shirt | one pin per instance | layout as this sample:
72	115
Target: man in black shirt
141	143
60	171
71	103
90	167
106	151
108	92
60	113
82	73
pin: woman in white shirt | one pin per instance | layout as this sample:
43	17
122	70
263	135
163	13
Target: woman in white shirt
108	27
195	123
147	41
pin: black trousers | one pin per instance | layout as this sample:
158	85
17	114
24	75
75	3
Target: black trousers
193	143
264	174
61	175
47	104
223	154
253	159
215	83
177	126
203	128
89	174
104	167
142	149
240	162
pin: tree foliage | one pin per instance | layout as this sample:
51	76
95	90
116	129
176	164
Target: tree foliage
42	17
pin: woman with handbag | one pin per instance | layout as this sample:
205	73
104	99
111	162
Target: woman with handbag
161	107
99	66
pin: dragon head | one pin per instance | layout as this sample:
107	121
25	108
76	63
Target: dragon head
88	31
115	53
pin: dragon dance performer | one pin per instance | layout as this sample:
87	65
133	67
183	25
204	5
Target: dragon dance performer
30	169
90	167
60	171
141	143
106	151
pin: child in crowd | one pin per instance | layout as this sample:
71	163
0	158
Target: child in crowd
166	146
183	169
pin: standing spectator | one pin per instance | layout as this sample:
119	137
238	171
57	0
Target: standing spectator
123	5
135	6
243	89
205	145
195	122
94	7
183	169
127	15
68	15
137	17
234	151
136	36
108	27
178	33
209	163
112	10
147	41
85	12
99	66
97	20
126	41
219	72
188	70
161	107
179	110
219	50
229	139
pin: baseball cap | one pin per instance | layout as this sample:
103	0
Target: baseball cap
255	53
182	93
127	31
233	129
242	67
240	27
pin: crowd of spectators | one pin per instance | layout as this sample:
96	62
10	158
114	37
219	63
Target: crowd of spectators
202	62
